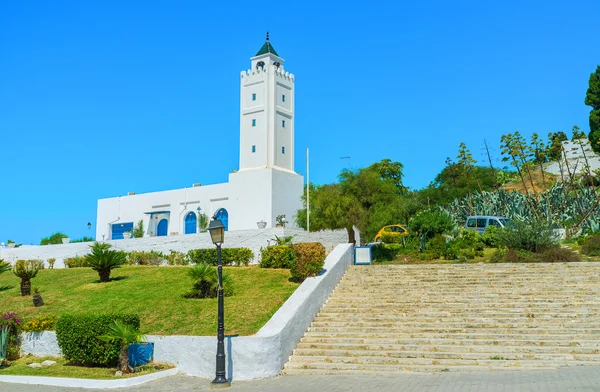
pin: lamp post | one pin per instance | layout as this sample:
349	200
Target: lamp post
217	234
89	225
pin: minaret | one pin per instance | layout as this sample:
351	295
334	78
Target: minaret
267	113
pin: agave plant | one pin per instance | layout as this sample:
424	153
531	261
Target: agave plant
126	335
27	270
205	282
103	260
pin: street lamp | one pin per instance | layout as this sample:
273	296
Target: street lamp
89	225
217	234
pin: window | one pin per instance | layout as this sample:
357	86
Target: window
283	150
283	98
471	223
282	123
481	222
494	222
253	122
253	148
254	96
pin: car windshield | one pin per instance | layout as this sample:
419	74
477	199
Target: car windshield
505	221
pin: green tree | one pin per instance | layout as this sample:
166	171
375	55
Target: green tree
592	98
53	239
577	133
465	159
537	153
138	230
555	140
103	260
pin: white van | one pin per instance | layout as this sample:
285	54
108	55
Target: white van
480	222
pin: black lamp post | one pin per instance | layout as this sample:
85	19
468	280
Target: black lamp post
89	225
217	234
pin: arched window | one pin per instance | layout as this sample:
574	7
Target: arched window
190	223
223	216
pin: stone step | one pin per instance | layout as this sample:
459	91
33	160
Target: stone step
489	334
461	340
449	318
407	327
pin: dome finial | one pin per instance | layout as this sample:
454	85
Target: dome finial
267	35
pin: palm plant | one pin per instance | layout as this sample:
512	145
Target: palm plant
206	282
103	260
126	335
27	270
4	266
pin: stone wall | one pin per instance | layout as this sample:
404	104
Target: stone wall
248	357
253	239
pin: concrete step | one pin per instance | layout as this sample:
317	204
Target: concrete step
456	340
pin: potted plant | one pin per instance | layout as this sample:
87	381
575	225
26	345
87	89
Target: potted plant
261	224
66	240
280	219
140	354
126	235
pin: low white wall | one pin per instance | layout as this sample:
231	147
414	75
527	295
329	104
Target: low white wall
40	344
253	239
248	357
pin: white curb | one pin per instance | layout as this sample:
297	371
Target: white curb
88	383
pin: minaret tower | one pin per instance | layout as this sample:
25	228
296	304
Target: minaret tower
267	113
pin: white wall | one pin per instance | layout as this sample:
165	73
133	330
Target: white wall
248	357
576	161
253	239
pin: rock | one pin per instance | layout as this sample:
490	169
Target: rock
118	373
35	365
48	363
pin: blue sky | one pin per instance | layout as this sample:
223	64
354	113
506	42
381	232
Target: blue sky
99	98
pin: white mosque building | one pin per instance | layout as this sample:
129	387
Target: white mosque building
264	187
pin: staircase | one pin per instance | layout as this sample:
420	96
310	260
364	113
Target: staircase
426	318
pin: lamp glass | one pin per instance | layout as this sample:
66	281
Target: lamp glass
217	231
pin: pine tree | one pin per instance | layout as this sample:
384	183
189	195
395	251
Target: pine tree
592	98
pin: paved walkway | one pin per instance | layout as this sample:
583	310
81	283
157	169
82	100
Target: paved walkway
560	380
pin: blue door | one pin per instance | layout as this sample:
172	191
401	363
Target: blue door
190	223
163	228
223	216
119	228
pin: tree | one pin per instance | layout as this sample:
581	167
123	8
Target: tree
592	98
537	153
103	260
555	140
577	133
53	239
138	230
465	159
27	270
389	170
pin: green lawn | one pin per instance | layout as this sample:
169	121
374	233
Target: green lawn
156	294
64	369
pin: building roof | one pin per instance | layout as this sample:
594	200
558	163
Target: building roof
267	48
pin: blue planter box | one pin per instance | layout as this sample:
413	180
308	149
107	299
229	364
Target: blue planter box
140	353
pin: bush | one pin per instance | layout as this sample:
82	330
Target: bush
77	337
11	323
558	254
41	323
310	258
591	245
138	230
391	238
428	223
229	256
83	239
27	270
551	254
532	236
51	262
177	258
437	244
206	282
383	252
103	259
53	239
278	256
76	262
152	257
489	237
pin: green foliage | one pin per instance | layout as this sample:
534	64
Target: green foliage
206	282
489	237
532	236
138	230
550	254
202	222
83	239
4	266
466	246
152	257
76	262
229	256
554	151
27	270
428	223
177	258
591	245
103	260
10	329
279	256
77	337
287	240
390	171
391	238
384	252
53	239
124	333
592	99
45	322
310	259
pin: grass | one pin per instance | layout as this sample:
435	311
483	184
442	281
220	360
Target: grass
156	294
64	369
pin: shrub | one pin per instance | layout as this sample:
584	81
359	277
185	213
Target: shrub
558	254
41	323
177	258
53	239
125	334
428	223
206	282
83	239
27	270
77	337
51	262
532	236
391	238
278	256
229	256
152	257
10	328
138	230
437	244
383	252
489	237
103	260
551	254
76	262
310	258
591	245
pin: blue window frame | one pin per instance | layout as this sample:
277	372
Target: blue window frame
283	98
253	122
190	223
283	150
119	228
254	96
253	148
282	123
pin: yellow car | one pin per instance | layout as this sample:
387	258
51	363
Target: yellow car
391	230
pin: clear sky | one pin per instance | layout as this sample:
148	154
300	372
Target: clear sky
100	98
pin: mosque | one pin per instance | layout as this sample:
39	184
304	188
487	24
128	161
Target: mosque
265	186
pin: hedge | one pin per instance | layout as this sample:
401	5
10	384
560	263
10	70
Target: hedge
278	256
229	256
75	262
310	259
77	337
